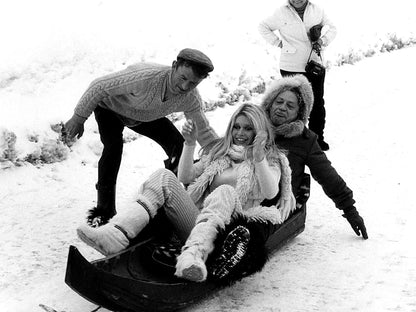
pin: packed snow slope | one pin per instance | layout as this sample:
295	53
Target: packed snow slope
326	268
53	50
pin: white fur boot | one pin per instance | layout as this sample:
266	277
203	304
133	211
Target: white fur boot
190	264
106	239
114	236
218	207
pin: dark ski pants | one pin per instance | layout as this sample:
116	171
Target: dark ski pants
318	113
111	128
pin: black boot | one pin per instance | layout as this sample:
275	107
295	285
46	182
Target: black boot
324	146
233	250
106	206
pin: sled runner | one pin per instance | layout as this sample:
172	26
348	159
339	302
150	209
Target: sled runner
133	280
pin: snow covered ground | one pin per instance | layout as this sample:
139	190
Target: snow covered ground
370	111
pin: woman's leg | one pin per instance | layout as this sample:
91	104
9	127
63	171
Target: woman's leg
218	209
115	235
161	189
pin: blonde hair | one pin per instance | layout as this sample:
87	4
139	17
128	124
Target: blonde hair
257	116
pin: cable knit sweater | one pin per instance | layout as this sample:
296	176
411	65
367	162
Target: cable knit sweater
136	95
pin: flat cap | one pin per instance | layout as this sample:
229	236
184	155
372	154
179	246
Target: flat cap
197	57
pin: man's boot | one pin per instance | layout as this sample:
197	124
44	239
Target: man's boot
323	145
106	206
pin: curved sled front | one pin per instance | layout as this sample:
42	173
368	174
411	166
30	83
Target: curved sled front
131	281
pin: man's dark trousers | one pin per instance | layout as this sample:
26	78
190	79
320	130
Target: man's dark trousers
318	113
162	131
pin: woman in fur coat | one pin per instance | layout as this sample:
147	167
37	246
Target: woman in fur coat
288	103
234	175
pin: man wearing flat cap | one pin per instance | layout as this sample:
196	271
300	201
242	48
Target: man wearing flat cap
140	97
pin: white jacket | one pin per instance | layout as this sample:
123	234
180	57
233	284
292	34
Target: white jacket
293	34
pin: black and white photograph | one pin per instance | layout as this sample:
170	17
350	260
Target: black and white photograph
207	156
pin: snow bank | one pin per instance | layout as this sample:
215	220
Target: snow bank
326	268
54	49
73	42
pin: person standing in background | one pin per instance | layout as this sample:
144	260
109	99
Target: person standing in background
299	23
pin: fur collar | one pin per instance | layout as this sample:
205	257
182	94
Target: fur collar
245	183
290	130
304	88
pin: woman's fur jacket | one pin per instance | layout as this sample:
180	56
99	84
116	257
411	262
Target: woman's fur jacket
247	188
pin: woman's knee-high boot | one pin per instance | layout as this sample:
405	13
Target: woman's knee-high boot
114	236
217	211
191	262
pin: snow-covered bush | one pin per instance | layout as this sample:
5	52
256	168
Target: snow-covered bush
7	146
393	42
130	136
53	151
230	86
390	43
48	151
351	57
34	148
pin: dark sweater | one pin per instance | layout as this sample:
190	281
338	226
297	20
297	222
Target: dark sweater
301	10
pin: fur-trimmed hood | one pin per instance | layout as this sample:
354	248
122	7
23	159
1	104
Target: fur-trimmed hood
300	85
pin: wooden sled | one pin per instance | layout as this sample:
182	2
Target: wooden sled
131	281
